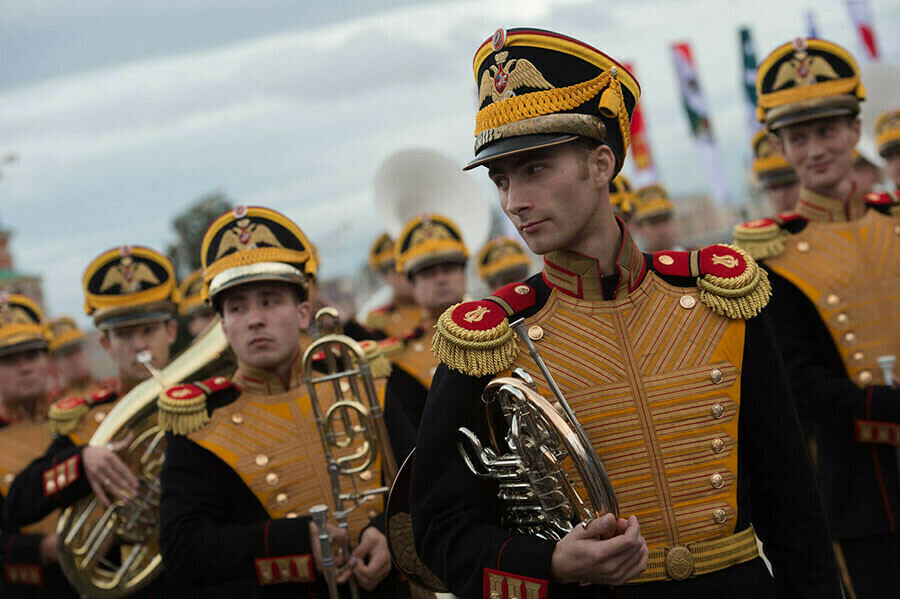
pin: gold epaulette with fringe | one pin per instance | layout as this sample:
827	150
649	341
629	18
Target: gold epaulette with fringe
182	408
475	337
66	414
761	238
730	281
379	363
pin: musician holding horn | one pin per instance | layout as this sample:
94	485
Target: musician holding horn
244	460
667	362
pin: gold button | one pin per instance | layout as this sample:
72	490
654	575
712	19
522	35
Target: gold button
50	486
679	562
849	338
291	515
535	333
271	479
345	386
897	229
718	411
717	481
262	459
418	347
237	418
496	595
8	479
865	377
281	499
842	319
716	376
365	475
372	514
857	356
687	302
666	260
802	247
718	445
522	289
99	416
61	480
220	380
832	300
720	515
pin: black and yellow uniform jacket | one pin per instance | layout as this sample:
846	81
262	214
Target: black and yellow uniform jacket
672	369
244	464
24	572
835	272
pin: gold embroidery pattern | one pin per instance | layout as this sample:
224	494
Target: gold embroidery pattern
476	315
128	275
637	373
247	235
851	274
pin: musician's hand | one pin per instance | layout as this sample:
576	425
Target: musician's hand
107	473
338	536
586	555
373	561
49	549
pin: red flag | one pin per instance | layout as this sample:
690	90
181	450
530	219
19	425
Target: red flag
859	11
640	146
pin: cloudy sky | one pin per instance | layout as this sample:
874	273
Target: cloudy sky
123	113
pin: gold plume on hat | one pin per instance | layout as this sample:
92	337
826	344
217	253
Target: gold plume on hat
518	73
128	275
245	235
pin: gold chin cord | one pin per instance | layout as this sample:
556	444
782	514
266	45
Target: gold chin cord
354	436
114	552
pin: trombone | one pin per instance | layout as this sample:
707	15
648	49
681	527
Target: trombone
351	426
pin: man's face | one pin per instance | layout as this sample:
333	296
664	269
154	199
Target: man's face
23	376
262	322
892	166
439	286
550	195
399	283
123	344
821	151
866	176
658	233
783	196
199	320
72	364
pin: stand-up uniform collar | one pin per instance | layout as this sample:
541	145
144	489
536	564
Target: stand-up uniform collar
259	381
579	276
821	208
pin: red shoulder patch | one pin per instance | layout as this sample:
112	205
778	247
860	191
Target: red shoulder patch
478	315
673	263
721	261
382	309
70	403
519	296
217	383
759	223
789	217
880	199
184	392
102	396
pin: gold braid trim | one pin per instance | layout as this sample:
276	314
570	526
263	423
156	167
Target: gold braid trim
64	422
560	99
743	296
761	243
476	353
182	416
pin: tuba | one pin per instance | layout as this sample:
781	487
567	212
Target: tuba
350	420
548	475
114	552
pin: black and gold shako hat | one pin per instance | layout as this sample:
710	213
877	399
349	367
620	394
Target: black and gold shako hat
250	244
807	79
381	254
64	333
538	88
190	294
769	166
21	324
501	255
129	285
429	239
622	197
652	201
887	131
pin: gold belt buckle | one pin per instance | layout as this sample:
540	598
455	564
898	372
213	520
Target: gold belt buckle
679	562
